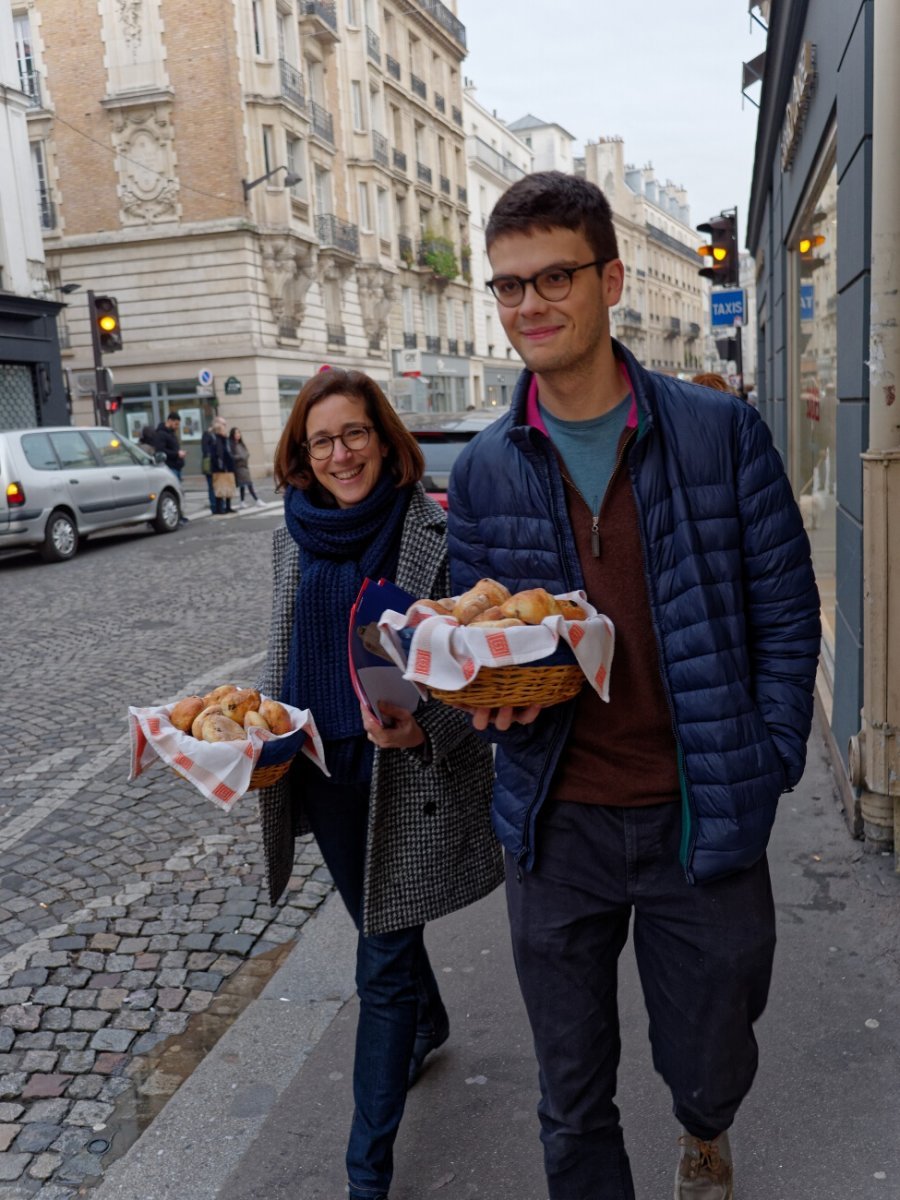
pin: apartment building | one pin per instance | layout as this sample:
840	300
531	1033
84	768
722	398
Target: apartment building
664	313
31	381
264	187
497	158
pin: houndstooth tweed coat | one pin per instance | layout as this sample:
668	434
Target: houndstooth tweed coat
431	849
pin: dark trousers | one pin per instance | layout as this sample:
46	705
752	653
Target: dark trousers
398	994
704	955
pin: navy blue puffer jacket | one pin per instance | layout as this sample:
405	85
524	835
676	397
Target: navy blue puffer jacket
732	594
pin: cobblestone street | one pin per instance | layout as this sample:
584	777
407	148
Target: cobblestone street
129	913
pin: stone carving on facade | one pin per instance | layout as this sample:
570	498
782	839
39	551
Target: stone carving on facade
377	292
130	14
148	189
289	268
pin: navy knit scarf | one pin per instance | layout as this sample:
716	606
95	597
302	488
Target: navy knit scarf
339	547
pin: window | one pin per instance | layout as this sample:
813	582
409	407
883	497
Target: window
429	300
113	451
259	28
352	12
296	164
42	186
72	449
365	215
323	190
356	98
383	213
38	452
409	323
268	143
813	379
28	76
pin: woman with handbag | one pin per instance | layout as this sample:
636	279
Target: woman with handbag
404	821
222	468
241	456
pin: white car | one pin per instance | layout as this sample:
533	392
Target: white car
59	484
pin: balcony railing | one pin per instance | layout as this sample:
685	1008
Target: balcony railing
336	335
674	327
457	116
292	84
470	349
504	167
332	231
322	122
693	331
31	86
325	10
399	159
410	341
445	18
445	185
452	346
373	45
392	65
379	148
628	318
440	103
461	194
418	85
405	247
432	344
423	173
47	211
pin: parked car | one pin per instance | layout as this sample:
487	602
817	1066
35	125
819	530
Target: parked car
442	437
60	484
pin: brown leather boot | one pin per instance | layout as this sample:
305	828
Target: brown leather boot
705	1169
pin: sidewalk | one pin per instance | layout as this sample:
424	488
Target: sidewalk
265	1115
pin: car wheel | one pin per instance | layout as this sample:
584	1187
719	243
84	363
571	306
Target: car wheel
168	513
60	538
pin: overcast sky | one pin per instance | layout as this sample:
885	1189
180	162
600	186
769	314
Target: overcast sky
663	74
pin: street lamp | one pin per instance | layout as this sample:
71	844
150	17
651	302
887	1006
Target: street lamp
289	179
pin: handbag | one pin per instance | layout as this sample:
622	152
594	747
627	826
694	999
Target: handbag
206	464
223	485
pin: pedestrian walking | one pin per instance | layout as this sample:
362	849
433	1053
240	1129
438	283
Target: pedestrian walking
222	481
207	447
241	457
404	821
669	505
166	440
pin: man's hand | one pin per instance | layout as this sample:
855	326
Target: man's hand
402	733
502	718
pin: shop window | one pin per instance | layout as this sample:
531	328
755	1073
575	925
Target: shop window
813	417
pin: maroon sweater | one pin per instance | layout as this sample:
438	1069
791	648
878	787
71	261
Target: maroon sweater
621	752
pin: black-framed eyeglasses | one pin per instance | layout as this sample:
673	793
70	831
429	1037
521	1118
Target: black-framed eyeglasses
553	283
322	445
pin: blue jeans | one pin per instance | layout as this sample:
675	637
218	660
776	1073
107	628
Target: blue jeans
398	994
704	955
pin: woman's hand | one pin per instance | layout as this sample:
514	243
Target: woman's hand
403	733
502	718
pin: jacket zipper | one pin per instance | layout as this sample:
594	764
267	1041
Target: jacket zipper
595	519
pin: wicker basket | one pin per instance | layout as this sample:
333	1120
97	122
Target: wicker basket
497	687
262	777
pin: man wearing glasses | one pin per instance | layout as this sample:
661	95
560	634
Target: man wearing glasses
668	504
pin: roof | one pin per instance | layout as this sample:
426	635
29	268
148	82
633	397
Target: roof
529	121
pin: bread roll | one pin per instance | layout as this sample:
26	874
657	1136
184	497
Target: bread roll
436	606
210	710
571	610
487	593
253	719
185	712
235	704
531	606
276	716
496	623
217	693
219	728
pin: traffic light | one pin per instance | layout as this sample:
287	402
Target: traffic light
722	249
105	317
113	403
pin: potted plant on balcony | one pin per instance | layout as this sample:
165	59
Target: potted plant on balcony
438	253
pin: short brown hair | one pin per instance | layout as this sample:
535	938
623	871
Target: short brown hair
404	458
711	379
553	200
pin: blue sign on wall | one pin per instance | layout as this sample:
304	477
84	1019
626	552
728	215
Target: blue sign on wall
807	301
728	308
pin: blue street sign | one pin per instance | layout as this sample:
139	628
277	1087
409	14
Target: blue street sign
807	301
727	308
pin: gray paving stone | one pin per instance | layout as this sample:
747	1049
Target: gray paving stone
15	995
57	1018
71	977
72	1139
11	1084
50	995
149	1041
77	1062
90	1020
207	981
10	1112
7	1037
76	1170
8	1135
85	1087
134	980
68	943
170	1023
197	941
143	998
30	977
89	1112
21	1016
46	1112
38	1039
36	1137
112	1039
39	1060
72	1040
12	1166
240	943
43	1166
93	960
172	977
119	962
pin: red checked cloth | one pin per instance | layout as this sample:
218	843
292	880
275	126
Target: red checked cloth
447	655
219	770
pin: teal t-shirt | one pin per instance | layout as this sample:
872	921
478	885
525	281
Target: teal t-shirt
589	449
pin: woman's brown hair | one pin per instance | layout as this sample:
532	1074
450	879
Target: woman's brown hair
711	379
404	458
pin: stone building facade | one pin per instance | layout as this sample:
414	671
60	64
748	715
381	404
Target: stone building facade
264	187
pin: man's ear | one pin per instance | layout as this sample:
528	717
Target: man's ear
614	281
